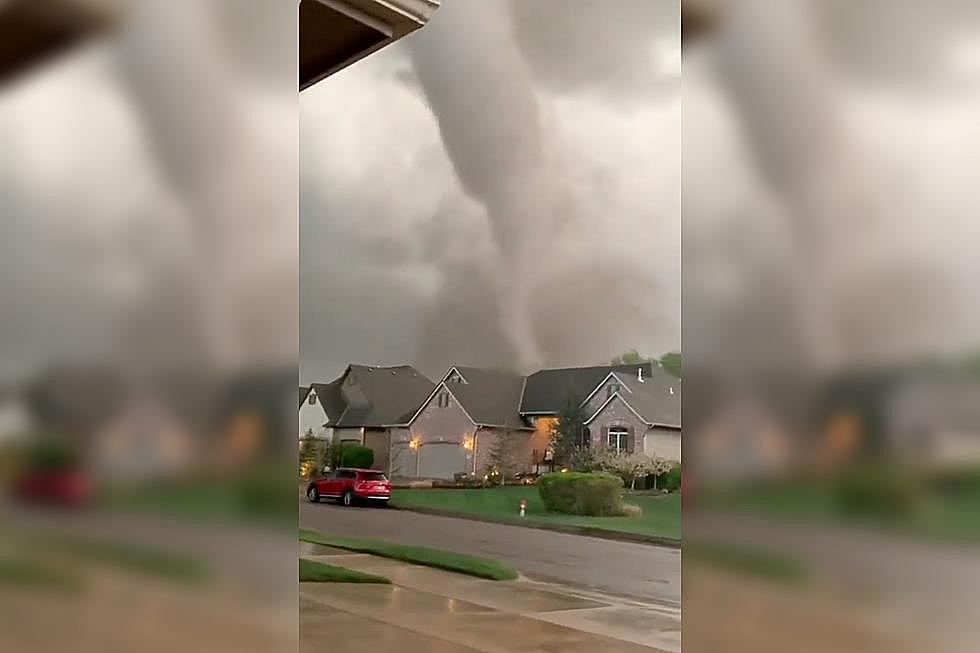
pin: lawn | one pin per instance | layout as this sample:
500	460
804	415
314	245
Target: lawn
457	562
311	571
661	513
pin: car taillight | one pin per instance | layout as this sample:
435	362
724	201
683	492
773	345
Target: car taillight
360	486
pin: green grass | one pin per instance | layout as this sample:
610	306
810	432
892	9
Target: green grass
24	573
661	513
118	554
940	513
742	559
457	562
311	571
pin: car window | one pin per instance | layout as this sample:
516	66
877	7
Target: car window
373	476
347	474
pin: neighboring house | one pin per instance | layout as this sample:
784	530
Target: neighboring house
361	404
636	413
628	408
458	425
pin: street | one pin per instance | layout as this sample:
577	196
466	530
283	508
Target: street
638	571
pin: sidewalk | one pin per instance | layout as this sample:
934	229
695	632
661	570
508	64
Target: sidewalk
431	610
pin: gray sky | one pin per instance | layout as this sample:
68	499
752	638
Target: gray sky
571	210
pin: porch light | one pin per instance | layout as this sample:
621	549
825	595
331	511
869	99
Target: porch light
414	443
468	444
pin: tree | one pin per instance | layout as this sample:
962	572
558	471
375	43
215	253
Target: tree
502	455
311	451
567	431
672	363
632	357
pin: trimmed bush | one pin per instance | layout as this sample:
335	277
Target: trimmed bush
357	456
670	481
578	493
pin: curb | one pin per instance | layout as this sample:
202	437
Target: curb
588	531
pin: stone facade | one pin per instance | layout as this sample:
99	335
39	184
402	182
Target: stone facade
617	413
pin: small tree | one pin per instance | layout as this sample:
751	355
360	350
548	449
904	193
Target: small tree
631	466
502	455
631	357
672	363
311	451
567	431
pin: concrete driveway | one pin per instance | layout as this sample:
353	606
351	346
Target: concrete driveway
643	572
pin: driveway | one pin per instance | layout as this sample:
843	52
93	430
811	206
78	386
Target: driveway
639	571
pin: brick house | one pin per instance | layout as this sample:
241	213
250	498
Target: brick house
360	404
456	427
424	430
630	408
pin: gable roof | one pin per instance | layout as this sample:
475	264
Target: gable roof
491	397
656	401
304	392
546	391
370	396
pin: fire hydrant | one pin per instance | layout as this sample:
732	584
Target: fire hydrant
523	506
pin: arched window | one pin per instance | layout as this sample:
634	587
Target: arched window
618	439
586	440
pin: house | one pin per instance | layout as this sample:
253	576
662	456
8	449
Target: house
361	404
628	408
458	425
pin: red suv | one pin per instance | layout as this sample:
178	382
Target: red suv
349	485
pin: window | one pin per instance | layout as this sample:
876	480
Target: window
443	400
618	439
346	473
312	399
612	389
586	440
372	476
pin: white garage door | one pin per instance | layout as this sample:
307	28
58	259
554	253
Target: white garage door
441	460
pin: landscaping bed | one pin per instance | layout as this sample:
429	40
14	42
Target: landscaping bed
449	561
661	516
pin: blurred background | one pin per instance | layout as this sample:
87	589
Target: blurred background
148	332
830	325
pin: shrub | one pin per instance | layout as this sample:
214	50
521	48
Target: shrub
670	481
357	456
879	491
577	493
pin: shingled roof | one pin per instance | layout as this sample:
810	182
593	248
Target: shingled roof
657	400
547	391
370	396
490	397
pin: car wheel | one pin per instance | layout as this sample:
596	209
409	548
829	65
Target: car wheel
347	499
313	495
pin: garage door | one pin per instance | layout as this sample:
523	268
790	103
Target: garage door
441	460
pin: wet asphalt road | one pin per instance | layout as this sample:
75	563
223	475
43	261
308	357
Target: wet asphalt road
640	571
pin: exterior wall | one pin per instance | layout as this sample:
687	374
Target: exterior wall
433	424
617	413
341	434
486	438
379	441
663	442
312	418
601	395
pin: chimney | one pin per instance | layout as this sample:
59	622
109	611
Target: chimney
639	374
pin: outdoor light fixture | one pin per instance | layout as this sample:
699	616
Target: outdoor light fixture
468	444
414	443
